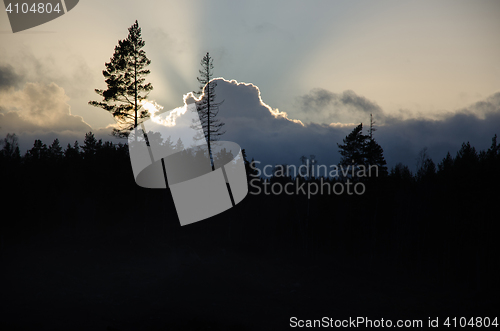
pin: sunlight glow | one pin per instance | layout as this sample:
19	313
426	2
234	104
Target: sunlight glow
342	125
153	108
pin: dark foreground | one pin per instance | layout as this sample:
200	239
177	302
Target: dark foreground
84	279
84	248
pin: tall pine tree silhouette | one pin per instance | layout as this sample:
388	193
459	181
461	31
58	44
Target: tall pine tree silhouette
207	107
125	77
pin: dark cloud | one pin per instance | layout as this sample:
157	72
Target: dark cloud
323	105
8	77
360	103
320	99
270	136
403	139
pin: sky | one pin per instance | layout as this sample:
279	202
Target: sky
428	71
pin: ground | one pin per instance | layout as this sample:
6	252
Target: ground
126	280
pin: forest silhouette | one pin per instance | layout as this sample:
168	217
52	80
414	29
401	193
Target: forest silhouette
435	226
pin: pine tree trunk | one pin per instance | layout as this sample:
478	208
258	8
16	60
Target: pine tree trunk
135	90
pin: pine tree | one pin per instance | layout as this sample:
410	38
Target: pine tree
252	170
90	145
39	151
467	157
207	107
374	155
168	144
360	150
179	146
77	147
303	170
125	77
250	167
353	149
223	156
426	169
372	126
446	164
402	172
55	150
72	153
10	150
494	150
491	162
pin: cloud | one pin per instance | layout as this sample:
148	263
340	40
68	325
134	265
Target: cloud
8	77
35	106
321	105
275	139
39	107
404	134
39	111
33	103
70	71
402	139
268	134
482	109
